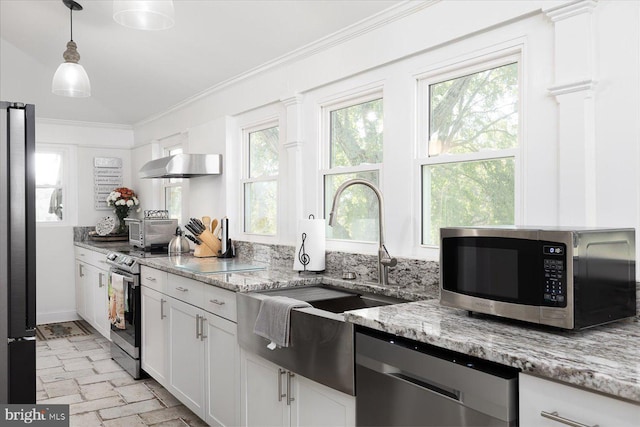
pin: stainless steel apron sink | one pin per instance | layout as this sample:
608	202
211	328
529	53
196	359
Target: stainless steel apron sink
322	343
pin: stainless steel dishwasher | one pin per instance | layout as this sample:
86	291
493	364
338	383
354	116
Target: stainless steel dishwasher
401	382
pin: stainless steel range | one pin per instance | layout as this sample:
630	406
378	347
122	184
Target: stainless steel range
124	312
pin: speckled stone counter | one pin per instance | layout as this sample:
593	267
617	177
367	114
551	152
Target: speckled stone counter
605	358
272	277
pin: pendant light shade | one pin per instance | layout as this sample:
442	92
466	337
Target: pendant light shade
144	14
70	78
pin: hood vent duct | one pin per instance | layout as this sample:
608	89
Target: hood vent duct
183	166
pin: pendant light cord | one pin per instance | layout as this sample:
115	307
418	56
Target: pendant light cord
71	19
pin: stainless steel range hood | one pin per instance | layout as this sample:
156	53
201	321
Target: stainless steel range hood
182	166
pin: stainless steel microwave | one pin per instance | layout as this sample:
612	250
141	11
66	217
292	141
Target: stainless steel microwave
567	278
151	233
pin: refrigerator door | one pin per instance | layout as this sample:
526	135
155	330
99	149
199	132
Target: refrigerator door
17	253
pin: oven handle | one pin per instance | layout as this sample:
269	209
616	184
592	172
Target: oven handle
125	276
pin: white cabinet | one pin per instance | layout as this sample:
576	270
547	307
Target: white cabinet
190	350
222	356
155	332
92	280
272	396
186	355
547	403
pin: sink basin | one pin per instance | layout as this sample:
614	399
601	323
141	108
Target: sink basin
333	300
322	343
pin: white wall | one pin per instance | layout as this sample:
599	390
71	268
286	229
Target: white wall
54	243
580	145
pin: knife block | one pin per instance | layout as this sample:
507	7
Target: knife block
203	251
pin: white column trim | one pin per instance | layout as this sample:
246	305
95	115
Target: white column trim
579	86
569	9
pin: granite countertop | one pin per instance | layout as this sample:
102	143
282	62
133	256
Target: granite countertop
605	358
249	281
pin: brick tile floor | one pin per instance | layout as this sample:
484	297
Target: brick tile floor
78	371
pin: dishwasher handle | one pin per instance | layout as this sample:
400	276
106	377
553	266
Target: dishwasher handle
397	373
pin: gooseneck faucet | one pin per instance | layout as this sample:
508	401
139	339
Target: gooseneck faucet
384	259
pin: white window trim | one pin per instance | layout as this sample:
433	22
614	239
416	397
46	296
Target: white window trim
507	54
327	105
256	126
69	180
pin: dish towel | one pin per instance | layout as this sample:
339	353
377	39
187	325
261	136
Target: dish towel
116	305
273	318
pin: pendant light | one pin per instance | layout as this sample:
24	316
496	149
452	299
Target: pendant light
144	14
70	78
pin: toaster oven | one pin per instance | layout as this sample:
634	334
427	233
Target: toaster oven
151	233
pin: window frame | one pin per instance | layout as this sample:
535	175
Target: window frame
68	183
423	118
245	178
325	169
178	182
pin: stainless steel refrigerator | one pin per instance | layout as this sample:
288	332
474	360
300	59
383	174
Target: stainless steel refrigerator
17	254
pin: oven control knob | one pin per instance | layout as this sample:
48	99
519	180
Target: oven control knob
130	262
112	256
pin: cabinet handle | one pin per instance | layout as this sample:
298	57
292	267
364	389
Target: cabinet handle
151	279
197	326
181	289
100	284
162	315
80	270
281	372
217	302
289	396
555	417
202	335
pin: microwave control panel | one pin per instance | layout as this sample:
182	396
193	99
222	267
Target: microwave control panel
555	281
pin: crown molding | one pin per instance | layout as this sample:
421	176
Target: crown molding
61	122
367	25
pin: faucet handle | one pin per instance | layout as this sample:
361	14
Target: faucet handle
389	262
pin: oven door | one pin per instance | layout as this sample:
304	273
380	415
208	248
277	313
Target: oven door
124	311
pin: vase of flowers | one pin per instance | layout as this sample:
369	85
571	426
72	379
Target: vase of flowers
123	199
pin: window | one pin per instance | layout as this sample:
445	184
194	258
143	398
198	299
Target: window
261	183
173	190
355	137
50	193
472	140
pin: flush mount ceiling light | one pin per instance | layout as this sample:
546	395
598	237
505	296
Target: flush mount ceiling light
70	78
144	14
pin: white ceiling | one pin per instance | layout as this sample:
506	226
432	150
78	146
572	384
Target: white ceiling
137	74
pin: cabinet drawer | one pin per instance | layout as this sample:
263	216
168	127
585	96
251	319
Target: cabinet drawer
153	278
220	301
187	290
543	400
97	259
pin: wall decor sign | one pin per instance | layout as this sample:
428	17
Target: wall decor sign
107	175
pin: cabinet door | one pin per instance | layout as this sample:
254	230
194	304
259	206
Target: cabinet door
539	397
154	334
89	286
318	405
222	355
100	301
81	272
263	388
186	355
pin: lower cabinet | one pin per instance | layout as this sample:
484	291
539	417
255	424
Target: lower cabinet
273	396
193	353
92	296
155	334
548	403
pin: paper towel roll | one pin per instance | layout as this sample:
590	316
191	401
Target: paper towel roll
312	251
